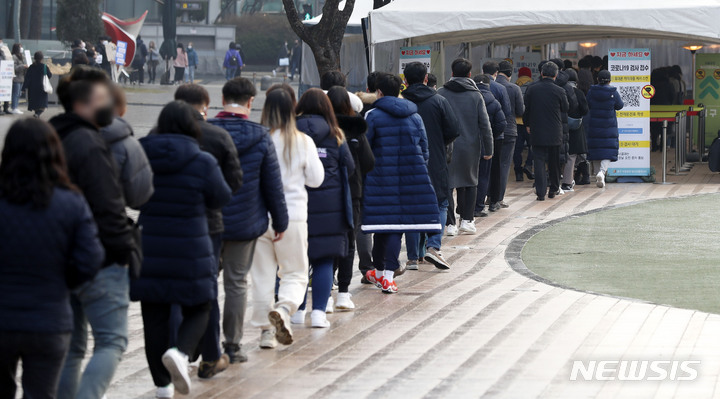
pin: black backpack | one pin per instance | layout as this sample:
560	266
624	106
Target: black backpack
234	60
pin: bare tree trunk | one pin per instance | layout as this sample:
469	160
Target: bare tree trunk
325	38
36	20
25	18
16	19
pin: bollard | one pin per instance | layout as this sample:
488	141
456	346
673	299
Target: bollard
701	134
266	82
664	155
254	79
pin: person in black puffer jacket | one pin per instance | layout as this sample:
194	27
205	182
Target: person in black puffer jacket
577	149
498	124
330	215
354	127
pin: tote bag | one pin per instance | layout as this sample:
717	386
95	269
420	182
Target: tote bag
47	86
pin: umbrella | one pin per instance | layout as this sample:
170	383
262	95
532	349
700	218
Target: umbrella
168	48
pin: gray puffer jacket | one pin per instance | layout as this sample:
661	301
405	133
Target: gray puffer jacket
136	176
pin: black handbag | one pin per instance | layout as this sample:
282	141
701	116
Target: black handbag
136	256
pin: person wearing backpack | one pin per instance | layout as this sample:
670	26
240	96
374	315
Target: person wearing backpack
232	62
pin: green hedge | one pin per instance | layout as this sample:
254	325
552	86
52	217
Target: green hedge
262	36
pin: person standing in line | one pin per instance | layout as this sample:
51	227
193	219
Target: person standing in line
505	153
441	127
19	78
337	78
134	170
399	196
37	97
354	127
179	264
246	216
475	142
219	144
153	61
577	149
330	217
138	63
545	103
193	61
585	75
85	95
491	69
50	246
232	61
602	134
285	259
180	63
523	138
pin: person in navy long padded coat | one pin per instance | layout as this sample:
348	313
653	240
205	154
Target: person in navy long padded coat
330	216
399	197
179	264
602	129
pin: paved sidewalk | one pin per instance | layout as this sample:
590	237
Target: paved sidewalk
479	330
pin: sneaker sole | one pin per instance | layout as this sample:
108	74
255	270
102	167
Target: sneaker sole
344	309
389	292
282	334
412	268
182	385
436	262
468	232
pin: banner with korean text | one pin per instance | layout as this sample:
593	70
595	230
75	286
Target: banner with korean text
630	69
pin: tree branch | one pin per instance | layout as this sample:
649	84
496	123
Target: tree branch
295	22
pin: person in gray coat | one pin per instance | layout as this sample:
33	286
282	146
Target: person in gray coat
136	177
475	139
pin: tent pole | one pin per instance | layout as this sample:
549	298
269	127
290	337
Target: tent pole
469	50
442	61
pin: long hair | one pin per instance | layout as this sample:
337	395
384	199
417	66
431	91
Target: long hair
340	101
33	164
315	102
16	50
278	114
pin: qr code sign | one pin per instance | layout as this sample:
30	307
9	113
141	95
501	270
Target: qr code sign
630	96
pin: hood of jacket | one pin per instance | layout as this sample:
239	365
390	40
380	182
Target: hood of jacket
459	85
243	132
397	107
367	98
118	130
352	126
418	93
68	122
562	78
602	92
314	126
169	153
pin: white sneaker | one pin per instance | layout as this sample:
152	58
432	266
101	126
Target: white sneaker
344	302
298	317
560	191
600	179
451	230
165	392
176	364
16	111
330	307
468	227
319	319
267	339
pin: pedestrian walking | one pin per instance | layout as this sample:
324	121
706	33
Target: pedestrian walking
19	78
134	170
187	182
219	144
193	61
283	59
233	61
441	127
330	217
475	142
180	63
50	246
246	216
545	103
86	98
355	128
138	63
398	197
36	94
602	129
280	267
153	61
488	167
296	60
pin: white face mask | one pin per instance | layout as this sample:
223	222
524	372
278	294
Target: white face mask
189	47
104	42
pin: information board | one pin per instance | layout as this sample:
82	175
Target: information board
121	52
7	68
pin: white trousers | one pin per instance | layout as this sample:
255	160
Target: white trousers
601	166
286	259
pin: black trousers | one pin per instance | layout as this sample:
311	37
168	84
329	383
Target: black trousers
465	204
546	156
156	321
386	249
179	74
42	355
344	266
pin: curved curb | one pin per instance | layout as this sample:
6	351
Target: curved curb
513	252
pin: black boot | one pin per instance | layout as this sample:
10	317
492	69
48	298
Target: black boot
584	172
519	174
529	173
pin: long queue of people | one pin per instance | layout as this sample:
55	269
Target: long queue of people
279	202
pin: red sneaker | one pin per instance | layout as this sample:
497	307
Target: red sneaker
373	279
389	287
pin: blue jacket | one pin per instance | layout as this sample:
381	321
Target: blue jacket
193	59
503	98
495	112
246	216
601	123
398	194
179	265
42	252
330	214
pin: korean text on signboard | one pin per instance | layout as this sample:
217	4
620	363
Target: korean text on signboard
414	54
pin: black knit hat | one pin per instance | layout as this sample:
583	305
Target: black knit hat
506	68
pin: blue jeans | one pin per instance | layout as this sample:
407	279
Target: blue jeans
322	281
103	303
434	240
16	90
190	74
230	73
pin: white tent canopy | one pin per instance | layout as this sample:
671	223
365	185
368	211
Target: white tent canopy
361	10
525	22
